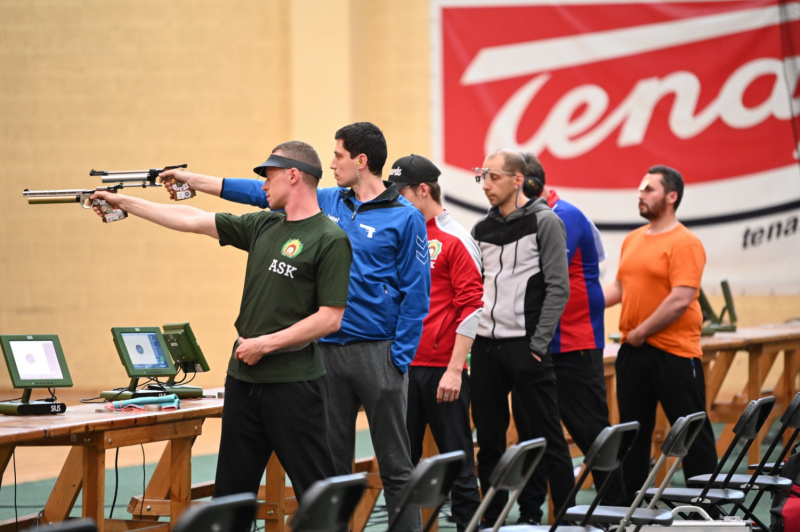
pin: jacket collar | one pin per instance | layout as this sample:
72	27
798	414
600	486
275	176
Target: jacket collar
390	194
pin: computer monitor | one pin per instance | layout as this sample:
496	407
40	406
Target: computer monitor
35	361
143	352
183	347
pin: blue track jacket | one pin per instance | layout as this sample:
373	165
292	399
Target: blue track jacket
390	278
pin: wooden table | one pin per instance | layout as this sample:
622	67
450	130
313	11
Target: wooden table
89	434
764	345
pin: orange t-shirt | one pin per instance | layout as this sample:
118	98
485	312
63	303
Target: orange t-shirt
649	266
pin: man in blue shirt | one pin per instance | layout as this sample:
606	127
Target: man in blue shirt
389	294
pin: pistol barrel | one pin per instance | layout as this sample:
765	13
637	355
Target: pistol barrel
125	177
41	200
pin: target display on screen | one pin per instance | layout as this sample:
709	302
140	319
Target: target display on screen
35	361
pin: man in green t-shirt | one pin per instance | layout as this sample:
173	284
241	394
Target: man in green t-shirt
295	291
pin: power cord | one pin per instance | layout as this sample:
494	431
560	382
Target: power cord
144	479
116	484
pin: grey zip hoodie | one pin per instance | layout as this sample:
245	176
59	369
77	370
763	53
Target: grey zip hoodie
525	274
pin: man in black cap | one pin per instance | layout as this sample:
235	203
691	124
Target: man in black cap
438	382
295	291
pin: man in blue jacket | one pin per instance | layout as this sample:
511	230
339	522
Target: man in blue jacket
389	293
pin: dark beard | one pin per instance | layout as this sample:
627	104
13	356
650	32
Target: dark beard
655	212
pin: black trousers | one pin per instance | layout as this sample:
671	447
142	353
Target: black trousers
450	426
287	418
583	406
647	376
497	367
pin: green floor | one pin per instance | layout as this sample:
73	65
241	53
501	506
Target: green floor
30	497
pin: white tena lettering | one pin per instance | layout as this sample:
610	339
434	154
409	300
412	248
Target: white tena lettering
567	134
282	268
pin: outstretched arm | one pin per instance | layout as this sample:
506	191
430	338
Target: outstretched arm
246	191
199	182
322	323
177	217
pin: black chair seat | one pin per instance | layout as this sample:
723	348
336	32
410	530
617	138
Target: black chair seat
546	528
767	467
689	495
614	514
762	482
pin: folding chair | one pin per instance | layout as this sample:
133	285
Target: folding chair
511	473
328	504
606	454
429	485
766	475
789	419
712	492
675	445
677	441
231	513
85	524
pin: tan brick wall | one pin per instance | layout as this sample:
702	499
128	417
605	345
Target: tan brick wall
128	85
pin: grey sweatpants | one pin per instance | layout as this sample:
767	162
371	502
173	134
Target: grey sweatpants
364	374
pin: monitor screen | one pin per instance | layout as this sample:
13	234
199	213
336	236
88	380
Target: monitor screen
143	351
35	361
183	347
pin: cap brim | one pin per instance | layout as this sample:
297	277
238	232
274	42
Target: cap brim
278	161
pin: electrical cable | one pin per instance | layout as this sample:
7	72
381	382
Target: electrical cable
144	487
116	484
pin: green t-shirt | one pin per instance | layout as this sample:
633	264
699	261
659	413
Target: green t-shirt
293	268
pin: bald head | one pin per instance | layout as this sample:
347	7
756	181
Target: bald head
513	162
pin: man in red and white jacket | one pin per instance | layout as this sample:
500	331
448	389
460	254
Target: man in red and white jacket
438	383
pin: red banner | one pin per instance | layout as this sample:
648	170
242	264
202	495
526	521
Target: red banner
602	91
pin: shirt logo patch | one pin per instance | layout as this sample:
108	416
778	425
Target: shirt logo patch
292	248
370	230
434	248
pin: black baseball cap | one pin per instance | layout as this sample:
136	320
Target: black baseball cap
278	161
413	169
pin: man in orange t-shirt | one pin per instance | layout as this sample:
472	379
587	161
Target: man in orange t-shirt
658	280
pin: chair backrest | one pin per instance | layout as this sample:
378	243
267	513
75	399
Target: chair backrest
753	417
512	472
789	419
84	524
608	451
610	447
517	464
429	484
676	444
682	434
328	504
746	429
231	513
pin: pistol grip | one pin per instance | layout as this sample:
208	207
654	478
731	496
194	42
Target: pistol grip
182	190
109	212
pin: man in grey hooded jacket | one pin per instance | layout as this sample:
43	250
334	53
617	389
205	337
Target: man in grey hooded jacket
526	286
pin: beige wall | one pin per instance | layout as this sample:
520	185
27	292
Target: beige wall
91	84
216	84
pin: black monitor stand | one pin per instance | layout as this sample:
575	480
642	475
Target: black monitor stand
26	407
131	392
181	390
